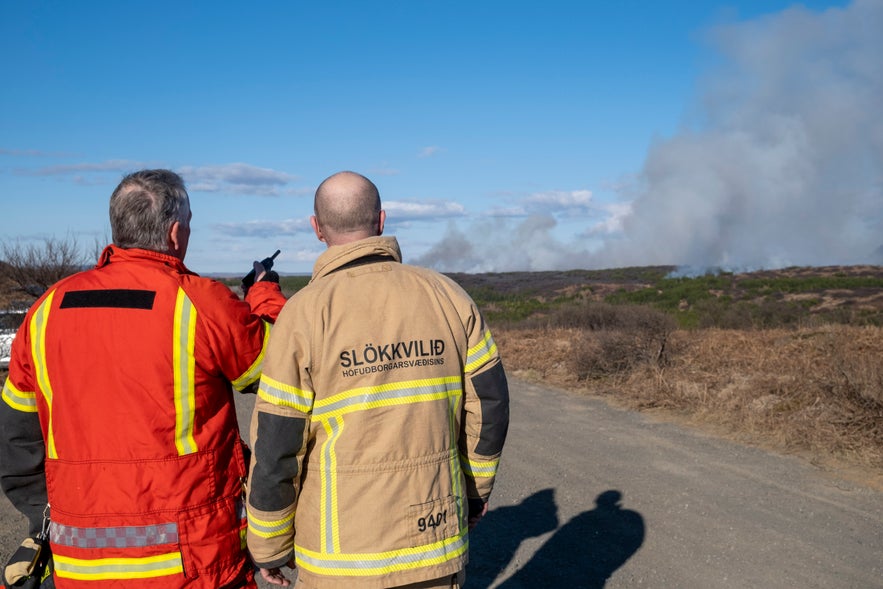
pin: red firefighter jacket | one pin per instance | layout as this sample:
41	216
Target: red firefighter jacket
119	391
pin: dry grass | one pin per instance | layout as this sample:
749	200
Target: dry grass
817	393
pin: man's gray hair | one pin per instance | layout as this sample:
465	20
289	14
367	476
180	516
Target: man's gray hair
144	207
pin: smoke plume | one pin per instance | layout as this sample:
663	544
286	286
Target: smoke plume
781	163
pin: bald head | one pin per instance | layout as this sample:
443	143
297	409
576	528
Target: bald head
347	208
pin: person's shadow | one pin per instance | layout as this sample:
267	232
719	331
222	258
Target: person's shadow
497	536
583	553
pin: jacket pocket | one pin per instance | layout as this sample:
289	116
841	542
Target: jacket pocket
212	539
433	521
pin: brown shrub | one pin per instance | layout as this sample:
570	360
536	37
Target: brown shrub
812	391
615	339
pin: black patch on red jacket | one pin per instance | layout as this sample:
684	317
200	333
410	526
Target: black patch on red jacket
112	298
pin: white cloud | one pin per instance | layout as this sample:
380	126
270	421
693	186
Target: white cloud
504	212
384	171
117	166
237	178
574	201
264	228
30	153
425	210
429	151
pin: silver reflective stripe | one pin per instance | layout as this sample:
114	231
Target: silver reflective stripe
269	529
279	393
352	565
479	469
479	354
412	391
118	537
110	569
331	412
184	358
329	486
19	400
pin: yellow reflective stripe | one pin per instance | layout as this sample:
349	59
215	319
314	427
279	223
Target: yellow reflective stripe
25	401
118	568
38	351
479	469
279	393
270	529
454	462
184	362
481	352
380	563
254	371
385	395
329	412
329	530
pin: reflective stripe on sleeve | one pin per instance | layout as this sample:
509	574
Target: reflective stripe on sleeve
38	351
477	469
25	401
254	371
479	354
184	361
271	529
278	393
101	569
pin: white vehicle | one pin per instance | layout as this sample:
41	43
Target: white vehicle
9	319
6	337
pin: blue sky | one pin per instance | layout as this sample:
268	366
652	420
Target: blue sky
502	135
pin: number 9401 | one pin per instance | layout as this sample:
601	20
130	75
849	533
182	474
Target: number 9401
432	520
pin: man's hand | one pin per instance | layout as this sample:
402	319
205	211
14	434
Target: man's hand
476	512
260	273
274	576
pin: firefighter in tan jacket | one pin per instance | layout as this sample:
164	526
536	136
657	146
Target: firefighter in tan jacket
381	414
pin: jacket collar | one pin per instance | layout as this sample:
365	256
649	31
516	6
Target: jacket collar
338	256
113	253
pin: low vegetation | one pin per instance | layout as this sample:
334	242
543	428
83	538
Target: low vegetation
791	360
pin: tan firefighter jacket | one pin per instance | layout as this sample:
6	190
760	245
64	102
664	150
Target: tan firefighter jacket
382	407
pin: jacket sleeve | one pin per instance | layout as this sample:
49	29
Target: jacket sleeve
235	334
22	450
485	409
266	300
278	437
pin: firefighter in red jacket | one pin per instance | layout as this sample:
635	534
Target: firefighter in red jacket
118	410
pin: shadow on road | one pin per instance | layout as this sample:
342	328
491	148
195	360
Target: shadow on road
582	553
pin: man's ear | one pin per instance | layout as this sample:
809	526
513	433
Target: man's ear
315	224
381	222
176	243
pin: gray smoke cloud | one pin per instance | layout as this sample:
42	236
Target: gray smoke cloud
781	165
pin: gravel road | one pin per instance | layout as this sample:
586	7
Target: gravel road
590	496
